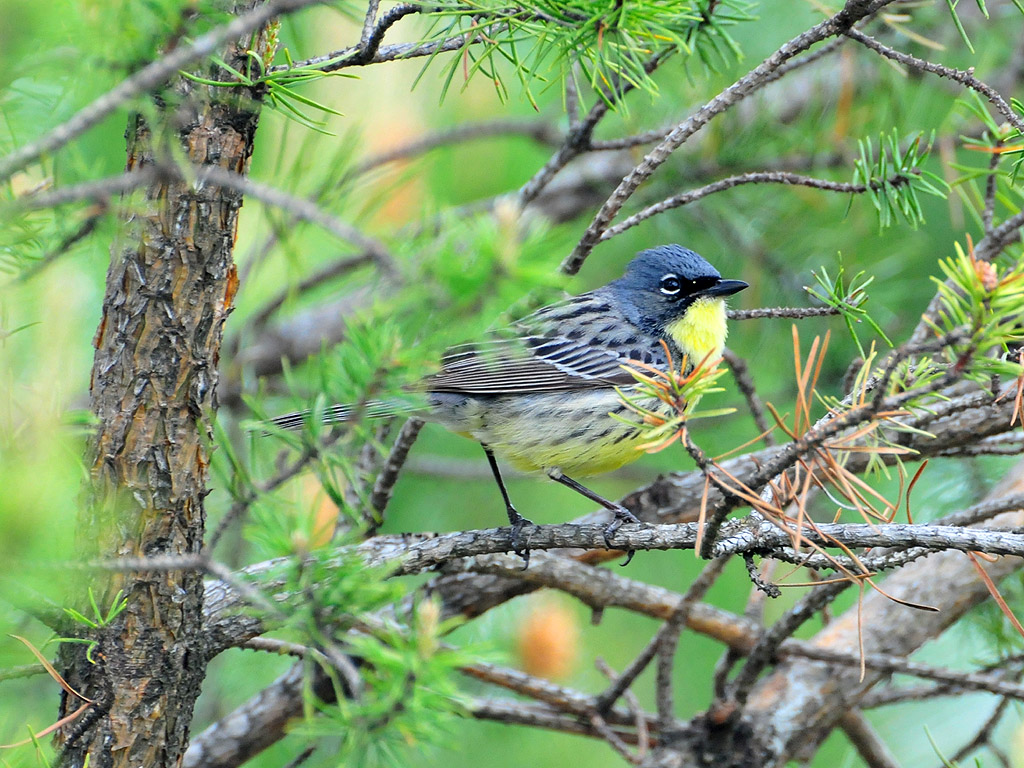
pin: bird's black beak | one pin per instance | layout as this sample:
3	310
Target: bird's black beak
725	288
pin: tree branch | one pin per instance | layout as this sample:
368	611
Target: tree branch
754	177
965	78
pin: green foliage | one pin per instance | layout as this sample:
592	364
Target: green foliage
998	140
100	618
979	314
946	762
993	634
983	301
849	300
409	680
144	29
895	177
952	4
478	272
610	42
406	676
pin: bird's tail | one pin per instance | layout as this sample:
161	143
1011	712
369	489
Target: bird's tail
341	412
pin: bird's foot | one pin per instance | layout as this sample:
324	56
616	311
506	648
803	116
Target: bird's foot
622	515
519	546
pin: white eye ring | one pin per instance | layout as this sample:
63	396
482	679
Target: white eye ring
670	278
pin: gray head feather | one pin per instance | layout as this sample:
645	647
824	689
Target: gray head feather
641	292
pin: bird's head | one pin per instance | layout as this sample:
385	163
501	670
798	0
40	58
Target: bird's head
675	293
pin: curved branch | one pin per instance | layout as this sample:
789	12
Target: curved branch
758	177
965	78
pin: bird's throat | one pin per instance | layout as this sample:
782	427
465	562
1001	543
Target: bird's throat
701	331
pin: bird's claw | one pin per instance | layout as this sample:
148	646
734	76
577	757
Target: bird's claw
519	547
622	515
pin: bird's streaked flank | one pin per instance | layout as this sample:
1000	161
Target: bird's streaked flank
541	394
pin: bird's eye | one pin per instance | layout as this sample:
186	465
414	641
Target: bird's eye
670	285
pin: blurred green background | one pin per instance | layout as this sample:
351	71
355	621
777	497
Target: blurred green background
56	57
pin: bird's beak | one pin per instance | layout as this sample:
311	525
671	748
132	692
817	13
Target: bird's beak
725	288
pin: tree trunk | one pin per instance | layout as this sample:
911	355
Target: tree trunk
169	289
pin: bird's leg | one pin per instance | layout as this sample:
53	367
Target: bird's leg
622	515
517	521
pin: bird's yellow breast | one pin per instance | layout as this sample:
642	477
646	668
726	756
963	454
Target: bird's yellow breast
701	331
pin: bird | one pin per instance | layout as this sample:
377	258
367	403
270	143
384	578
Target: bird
543	394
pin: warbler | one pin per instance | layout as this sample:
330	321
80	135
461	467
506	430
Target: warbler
542	394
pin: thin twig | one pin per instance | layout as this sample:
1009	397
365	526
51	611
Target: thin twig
305	210
369	463
242	504
754	609
85	229
995	241
369	23
388	475
668	640
988	211
754	177
565	699
892	694
880	662
578	139
517	712
768	644
369	43
25	670
633	704
302	757
657	134
673	624
774	313
541	132
97	189
250	594
349	57
873	751
983	510
964	77
279	647
613	739
572	97
984	734
568	701
337	268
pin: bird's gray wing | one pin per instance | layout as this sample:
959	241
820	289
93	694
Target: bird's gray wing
570	346
524	366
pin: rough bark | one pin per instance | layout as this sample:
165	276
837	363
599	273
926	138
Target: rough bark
168	291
